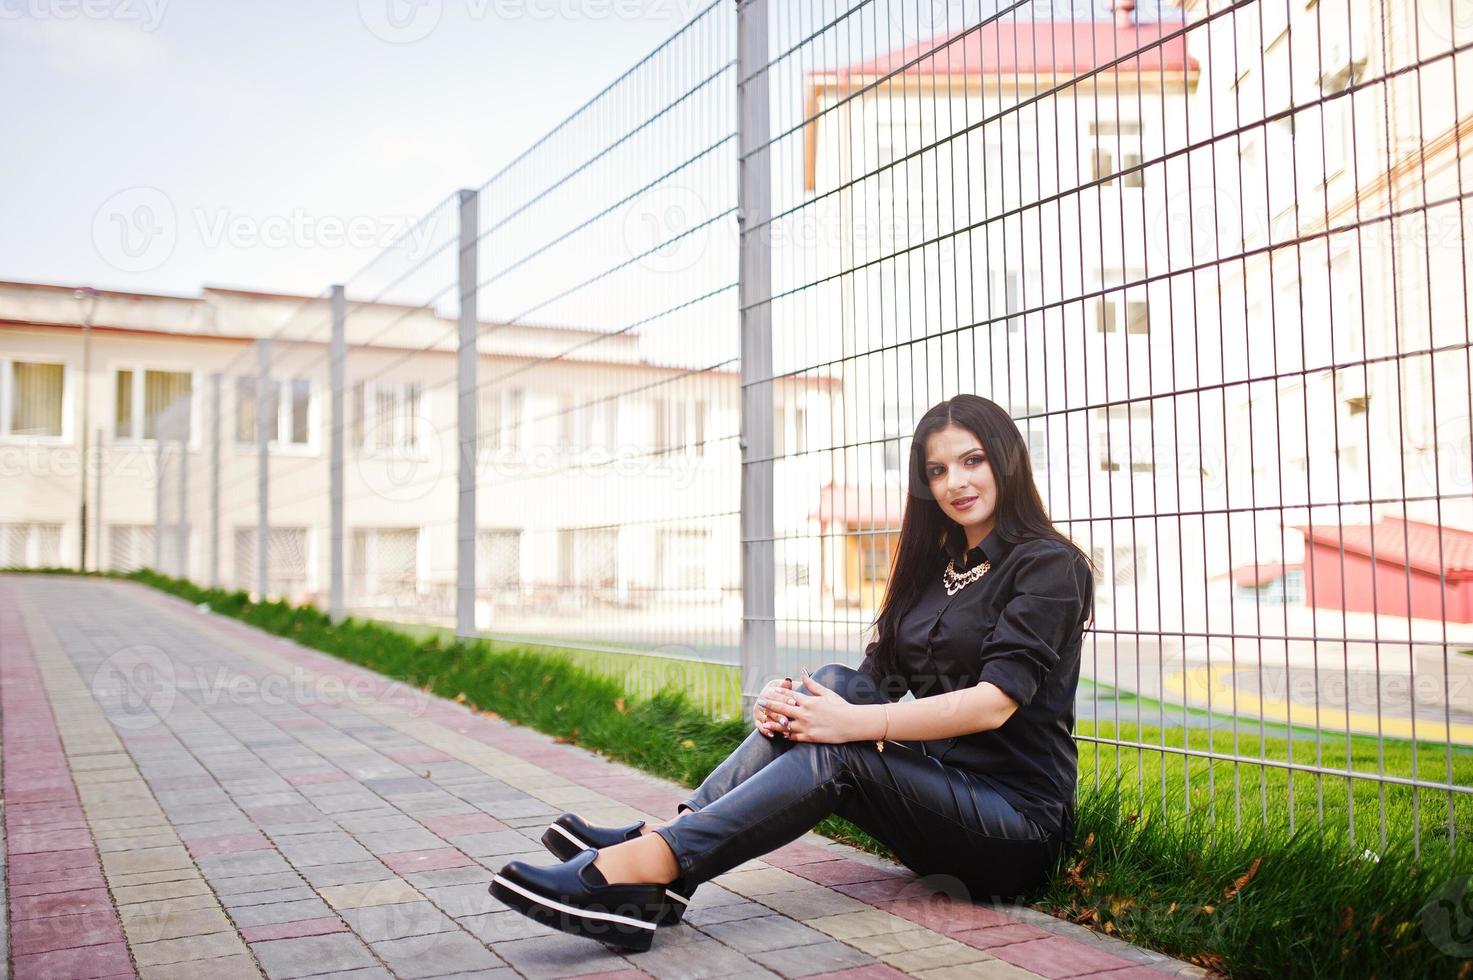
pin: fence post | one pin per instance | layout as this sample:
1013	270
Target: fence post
465	564
754	287
338	358
97	498
214	548
158	496
182	412
263	503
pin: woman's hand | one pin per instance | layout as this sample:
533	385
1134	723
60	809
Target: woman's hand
823	716
774	693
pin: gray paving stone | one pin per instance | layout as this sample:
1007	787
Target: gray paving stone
763	932
314	850
730	912
380	922
802	961
560	955
499	927
276	896
461	900
256	884
312	955
697	959
346	874
274	912
493	843
245	863
394	841
468	875
436	955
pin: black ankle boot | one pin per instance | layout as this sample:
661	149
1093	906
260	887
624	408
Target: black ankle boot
570	834
576	898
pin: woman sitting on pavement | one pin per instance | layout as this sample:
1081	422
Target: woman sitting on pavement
982	620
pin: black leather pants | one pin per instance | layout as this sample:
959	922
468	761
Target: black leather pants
938	819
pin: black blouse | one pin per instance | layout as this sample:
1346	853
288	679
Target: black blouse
1019	627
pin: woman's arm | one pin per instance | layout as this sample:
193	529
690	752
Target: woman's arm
825	716
1053	589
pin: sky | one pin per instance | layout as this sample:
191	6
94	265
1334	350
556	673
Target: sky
280	145
274	144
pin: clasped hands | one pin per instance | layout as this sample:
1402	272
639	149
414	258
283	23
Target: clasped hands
823	716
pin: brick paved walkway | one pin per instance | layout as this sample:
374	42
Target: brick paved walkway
185	796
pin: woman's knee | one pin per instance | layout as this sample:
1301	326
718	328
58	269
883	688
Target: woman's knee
849	683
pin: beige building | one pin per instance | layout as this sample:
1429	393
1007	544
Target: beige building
607	483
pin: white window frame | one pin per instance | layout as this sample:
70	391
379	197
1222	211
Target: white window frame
363	394
693	429
663	571
313	445
503	415
1112	138
140	370
7	396
32	530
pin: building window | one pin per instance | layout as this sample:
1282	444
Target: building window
1117	147
385	563
31	399
1123	438
790	434
588	557
585	425
498	557
152	404
1007	298
129	547
30	545
286	560
500	425
1123	307
684	555
387	416
289	416
680	425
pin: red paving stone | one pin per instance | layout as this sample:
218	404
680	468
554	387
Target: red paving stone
462	823
53	861
946	915
875	892
49	882
294	930
434	859
1016	932
65	931
1059	956
842	872
82	963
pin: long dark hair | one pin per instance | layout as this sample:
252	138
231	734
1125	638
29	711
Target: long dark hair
925	529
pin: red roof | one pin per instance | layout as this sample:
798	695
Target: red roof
1010	47
1421	546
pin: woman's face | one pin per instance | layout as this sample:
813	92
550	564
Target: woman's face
960	477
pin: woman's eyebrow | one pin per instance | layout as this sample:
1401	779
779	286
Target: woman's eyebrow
974	449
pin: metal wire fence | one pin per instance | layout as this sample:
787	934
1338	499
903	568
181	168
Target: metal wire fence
648	391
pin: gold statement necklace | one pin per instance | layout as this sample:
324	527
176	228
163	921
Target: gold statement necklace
956	581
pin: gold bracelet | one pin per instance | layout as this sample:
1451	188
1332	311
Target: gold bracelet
880	742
